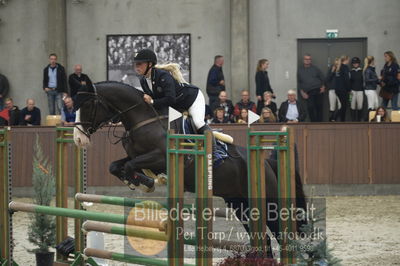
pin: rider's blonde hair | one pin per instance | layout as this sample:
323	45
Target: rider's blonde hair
175	71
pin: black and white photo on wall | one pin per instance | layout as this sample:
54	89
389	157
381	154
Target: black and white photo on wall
170	48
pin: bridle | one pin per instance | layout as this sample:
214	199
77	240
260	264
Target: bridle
99	100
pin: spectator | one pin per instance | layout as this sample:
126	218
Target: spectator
262	80
4	88
381	115
243	116
30	115
267	102
291	110
357	89
68	113
340	79
208	116
13	111
371	81
333	99
54	84
219	116
225	104
244	103
267	116
389	82
311	84
78	79
215	80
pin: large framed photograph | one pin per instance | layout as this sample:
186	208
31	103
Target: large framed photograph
170	48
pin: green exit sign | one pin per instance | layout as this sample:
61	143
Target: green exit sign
332	34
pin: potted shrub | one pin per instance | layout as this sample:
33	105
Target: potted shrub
42	229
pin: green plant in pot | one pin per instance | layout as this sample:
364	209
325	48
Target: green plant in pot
42	229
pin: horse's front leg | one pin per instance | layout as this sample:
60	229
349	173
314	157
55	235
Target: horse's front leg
154	160
117	168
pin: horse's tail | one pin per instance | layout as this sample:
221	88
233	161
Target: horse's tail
175	71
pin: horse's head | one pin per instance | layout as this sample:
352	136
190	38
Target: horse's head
102	104
93	113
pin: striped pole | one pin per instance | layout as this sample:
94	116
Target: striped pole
94	216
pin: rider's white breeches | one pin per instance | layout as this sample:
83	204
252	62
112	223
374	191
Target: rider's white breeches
198	110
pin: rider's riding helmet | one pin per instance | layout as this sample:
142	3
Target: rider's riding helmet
145	55
355	60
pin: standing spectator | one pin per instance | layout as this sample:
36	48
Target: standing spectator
78	79
244	103
333	99
389	82
215	79
219	116
225	104
68	113
291	111
243	116
30	115
4	87
381	115
340	80
54	84
262	80
371	81
267	116
267	102
357	90
311	84
13	111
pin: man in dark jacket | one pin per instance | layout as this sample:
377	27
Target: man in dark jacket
291	110
77	79
244	103
215	79
226	104
54	84
13	111
4	87
30	115
311	84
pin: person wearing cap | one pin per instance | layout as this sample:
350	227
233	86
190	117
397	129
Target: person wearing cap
291	111
163	90
357	90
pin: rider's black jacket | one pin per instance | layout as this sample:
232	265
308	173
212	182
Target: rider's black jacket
168	92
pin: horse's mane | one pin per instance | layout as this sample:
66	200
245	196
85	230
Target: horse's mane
124	85
175	71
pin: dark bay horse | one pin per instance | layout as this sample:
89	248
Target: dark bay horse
145	145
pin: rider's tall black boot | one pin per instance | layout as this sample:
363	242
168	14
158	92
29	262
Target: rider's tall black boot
216	158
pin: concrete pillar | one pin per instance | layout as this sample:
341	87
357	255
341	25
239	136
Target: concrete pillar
239	47
57	30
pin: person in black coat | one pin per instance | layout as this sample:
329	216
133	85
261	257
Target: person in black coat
226	104
54	84
389	81
4	88
77	79
30	115
215	79
357	90
267	102
219	116
262	80
339	78
13	112
292	111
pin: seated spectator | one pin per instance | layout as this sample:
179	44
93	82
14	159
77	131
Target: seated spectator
243	116
225	104
244	103
219	116
267	116
291	110
267	102
68	113
13	111
381	115
30	115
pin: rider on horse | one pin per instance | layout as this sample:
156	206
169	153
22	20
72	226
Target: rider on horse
162	90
